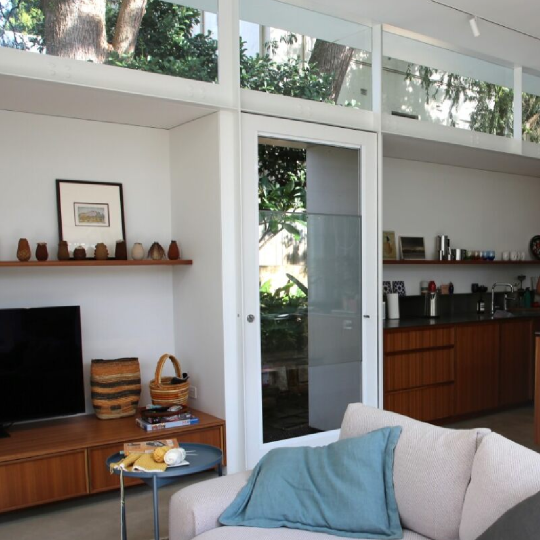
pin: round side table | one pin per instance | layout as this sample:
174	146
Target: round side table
201	457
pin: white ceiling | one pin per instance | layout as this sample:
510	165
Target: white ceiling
444	25
71	101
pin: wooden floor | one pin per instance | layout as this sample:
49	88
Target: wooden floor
516	425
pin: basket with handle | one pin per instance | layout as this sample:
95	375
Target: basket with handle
163	391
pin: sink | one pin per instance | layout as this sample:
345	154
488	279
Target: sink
501	314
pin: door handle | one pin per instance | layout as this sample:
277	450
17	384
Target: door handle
366	316
250	318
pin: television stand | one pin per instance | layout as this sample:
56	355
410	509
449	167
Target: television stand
54	460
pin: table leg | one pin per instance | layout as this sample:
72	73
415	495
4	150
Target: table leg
220	470
156	507
122	508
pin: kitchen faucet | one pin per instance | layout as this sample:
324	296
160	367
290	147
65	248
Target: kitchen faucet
505	301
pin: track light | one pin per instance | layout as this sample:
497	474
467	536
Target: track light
474	26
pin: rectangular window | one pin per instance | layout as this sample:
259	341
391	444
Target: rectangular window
157	36
301	53
531	108
433	84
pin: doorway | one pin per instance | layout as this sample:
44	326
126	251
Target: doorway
310	273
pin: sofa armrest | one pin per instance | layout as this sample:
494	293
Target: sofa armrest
196	508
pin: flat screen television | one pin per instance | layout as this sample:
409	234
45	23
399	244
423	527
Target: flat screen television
41	368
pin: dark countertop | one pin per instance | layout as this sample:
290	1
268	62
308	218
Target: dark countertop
462	318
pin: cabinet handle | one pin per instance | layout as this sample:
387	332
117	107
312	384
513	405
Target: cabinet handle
366	316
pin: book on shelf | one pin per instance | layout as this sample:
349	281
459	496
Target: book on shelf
148	447
147	426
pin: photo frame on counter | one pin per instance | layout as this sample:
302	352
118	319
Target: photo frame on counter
389	246
89	213
412	248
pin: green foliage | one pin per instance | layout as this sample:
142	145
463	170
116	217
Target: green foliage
282	191
493	104
283	318
166	43
22	17
290	78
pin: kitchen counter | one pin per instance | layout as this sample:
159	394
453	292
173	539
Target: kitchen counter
462	318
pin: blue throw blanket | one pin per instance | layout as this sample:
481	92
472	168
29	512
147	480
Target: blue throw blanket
345	489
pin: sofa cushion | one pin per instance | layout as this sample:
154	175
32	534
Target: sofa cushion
504	474
254	533
432	468
522	521
344	489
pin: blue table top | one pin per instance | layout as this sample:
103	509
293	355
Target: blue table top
204	457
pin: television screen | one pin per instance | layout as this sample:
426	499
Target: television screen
41	370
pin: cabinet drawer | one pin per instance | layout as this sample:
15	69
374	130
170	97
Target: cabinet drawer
414	369
102	480
41	480
100	477
425	404
409	340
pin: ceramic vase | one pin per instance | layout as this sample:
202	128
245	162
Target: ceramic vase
120	253
63	251
174	251
23	250
156	252
137	252
42	253
79	253
101	253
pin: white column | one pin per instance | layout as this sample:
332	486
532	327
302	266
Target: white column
518	103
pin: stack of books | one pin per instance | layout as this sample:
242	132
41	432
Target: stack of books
155	418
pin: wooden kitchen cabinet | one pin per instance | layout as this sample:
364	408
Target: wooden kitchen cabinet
516	362
477	364
419	373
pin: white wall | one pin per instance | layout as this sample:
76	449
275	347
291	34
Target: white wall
479	210
125	311
196	222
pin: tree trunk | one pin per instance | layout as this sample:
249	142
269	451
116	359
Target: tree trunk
334	60
76	29
128	25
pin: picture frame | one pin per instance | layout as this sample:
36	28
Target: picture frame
412	248
89	213
389	246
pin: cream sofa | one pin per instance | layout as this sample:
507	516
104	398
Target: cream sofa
449	484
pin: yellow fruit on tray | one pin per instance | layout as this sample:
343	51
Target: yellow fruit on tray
159	454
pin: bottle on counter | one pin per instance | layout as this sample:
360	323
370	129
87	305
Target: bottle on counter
527	298
480	306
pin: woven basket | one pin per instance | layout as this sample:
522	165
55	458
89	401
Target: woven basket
115	387
162	391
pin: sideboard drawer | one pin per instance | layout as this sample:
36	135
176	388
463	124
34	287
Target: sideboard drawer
41	480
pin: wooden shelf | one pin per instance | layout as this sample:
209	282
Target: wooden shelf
93	262
451	263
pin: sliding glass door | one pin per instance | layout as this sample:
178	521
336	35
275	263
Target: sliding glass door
310	263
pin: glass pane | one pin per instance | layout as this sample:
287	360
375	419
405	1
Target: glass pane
531	108
310	296
157	36
429	83
297	52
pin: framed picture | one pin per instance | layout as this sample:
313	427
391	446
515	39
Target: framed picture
90	212
412	247
389	245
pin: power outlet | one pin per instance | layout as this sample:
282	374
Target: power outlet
193	392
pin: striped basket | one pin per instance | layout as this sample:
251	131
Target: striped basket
165	393
116	387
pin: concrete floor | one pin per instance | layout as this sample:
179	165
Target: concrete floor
98	517
515	424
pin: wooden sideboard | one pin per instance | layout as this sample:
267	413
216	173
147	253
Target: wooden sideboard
54	460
